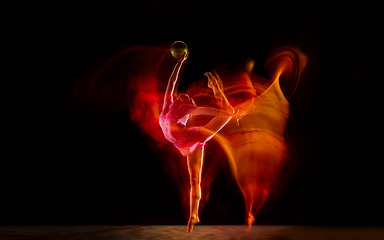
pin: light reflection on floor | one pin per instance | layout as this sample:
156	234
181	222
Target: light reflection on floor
263	232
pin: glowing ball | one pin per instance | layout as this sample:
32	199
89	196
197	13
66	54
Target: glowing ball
178	49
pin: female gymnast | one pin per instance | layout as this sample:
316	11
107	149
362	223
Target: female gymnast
190	141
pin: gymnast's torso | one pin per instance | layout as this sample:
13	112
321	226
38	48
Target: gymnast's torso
173	124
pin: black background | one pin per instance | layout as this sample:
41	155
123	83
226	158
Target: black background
65	165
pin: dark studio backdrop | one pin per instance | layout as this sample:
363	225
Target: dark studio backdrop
67	165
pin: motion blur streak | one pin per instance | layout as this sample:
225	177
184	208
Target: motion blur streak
258	144
129	80
255	146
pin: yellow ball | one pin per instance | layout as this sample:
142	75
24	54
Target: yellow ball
178	49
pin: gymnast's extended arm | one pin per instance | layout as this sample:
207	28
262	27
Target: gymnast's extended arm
168	97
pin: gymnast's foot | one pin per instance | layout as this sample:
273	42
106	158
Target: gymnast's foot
249	220
192	221
212	81
216	85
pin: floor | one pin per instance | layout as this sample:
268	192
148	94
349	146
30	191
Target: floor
205	232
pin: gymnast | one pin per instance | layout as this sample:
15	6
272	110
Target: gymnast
190	141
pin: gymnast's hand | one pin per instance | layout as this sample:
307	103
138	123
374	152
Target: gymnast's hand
184	57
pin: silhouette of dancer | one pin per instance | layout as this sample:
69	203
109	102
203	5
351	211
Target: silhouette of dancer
258	144
190	141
